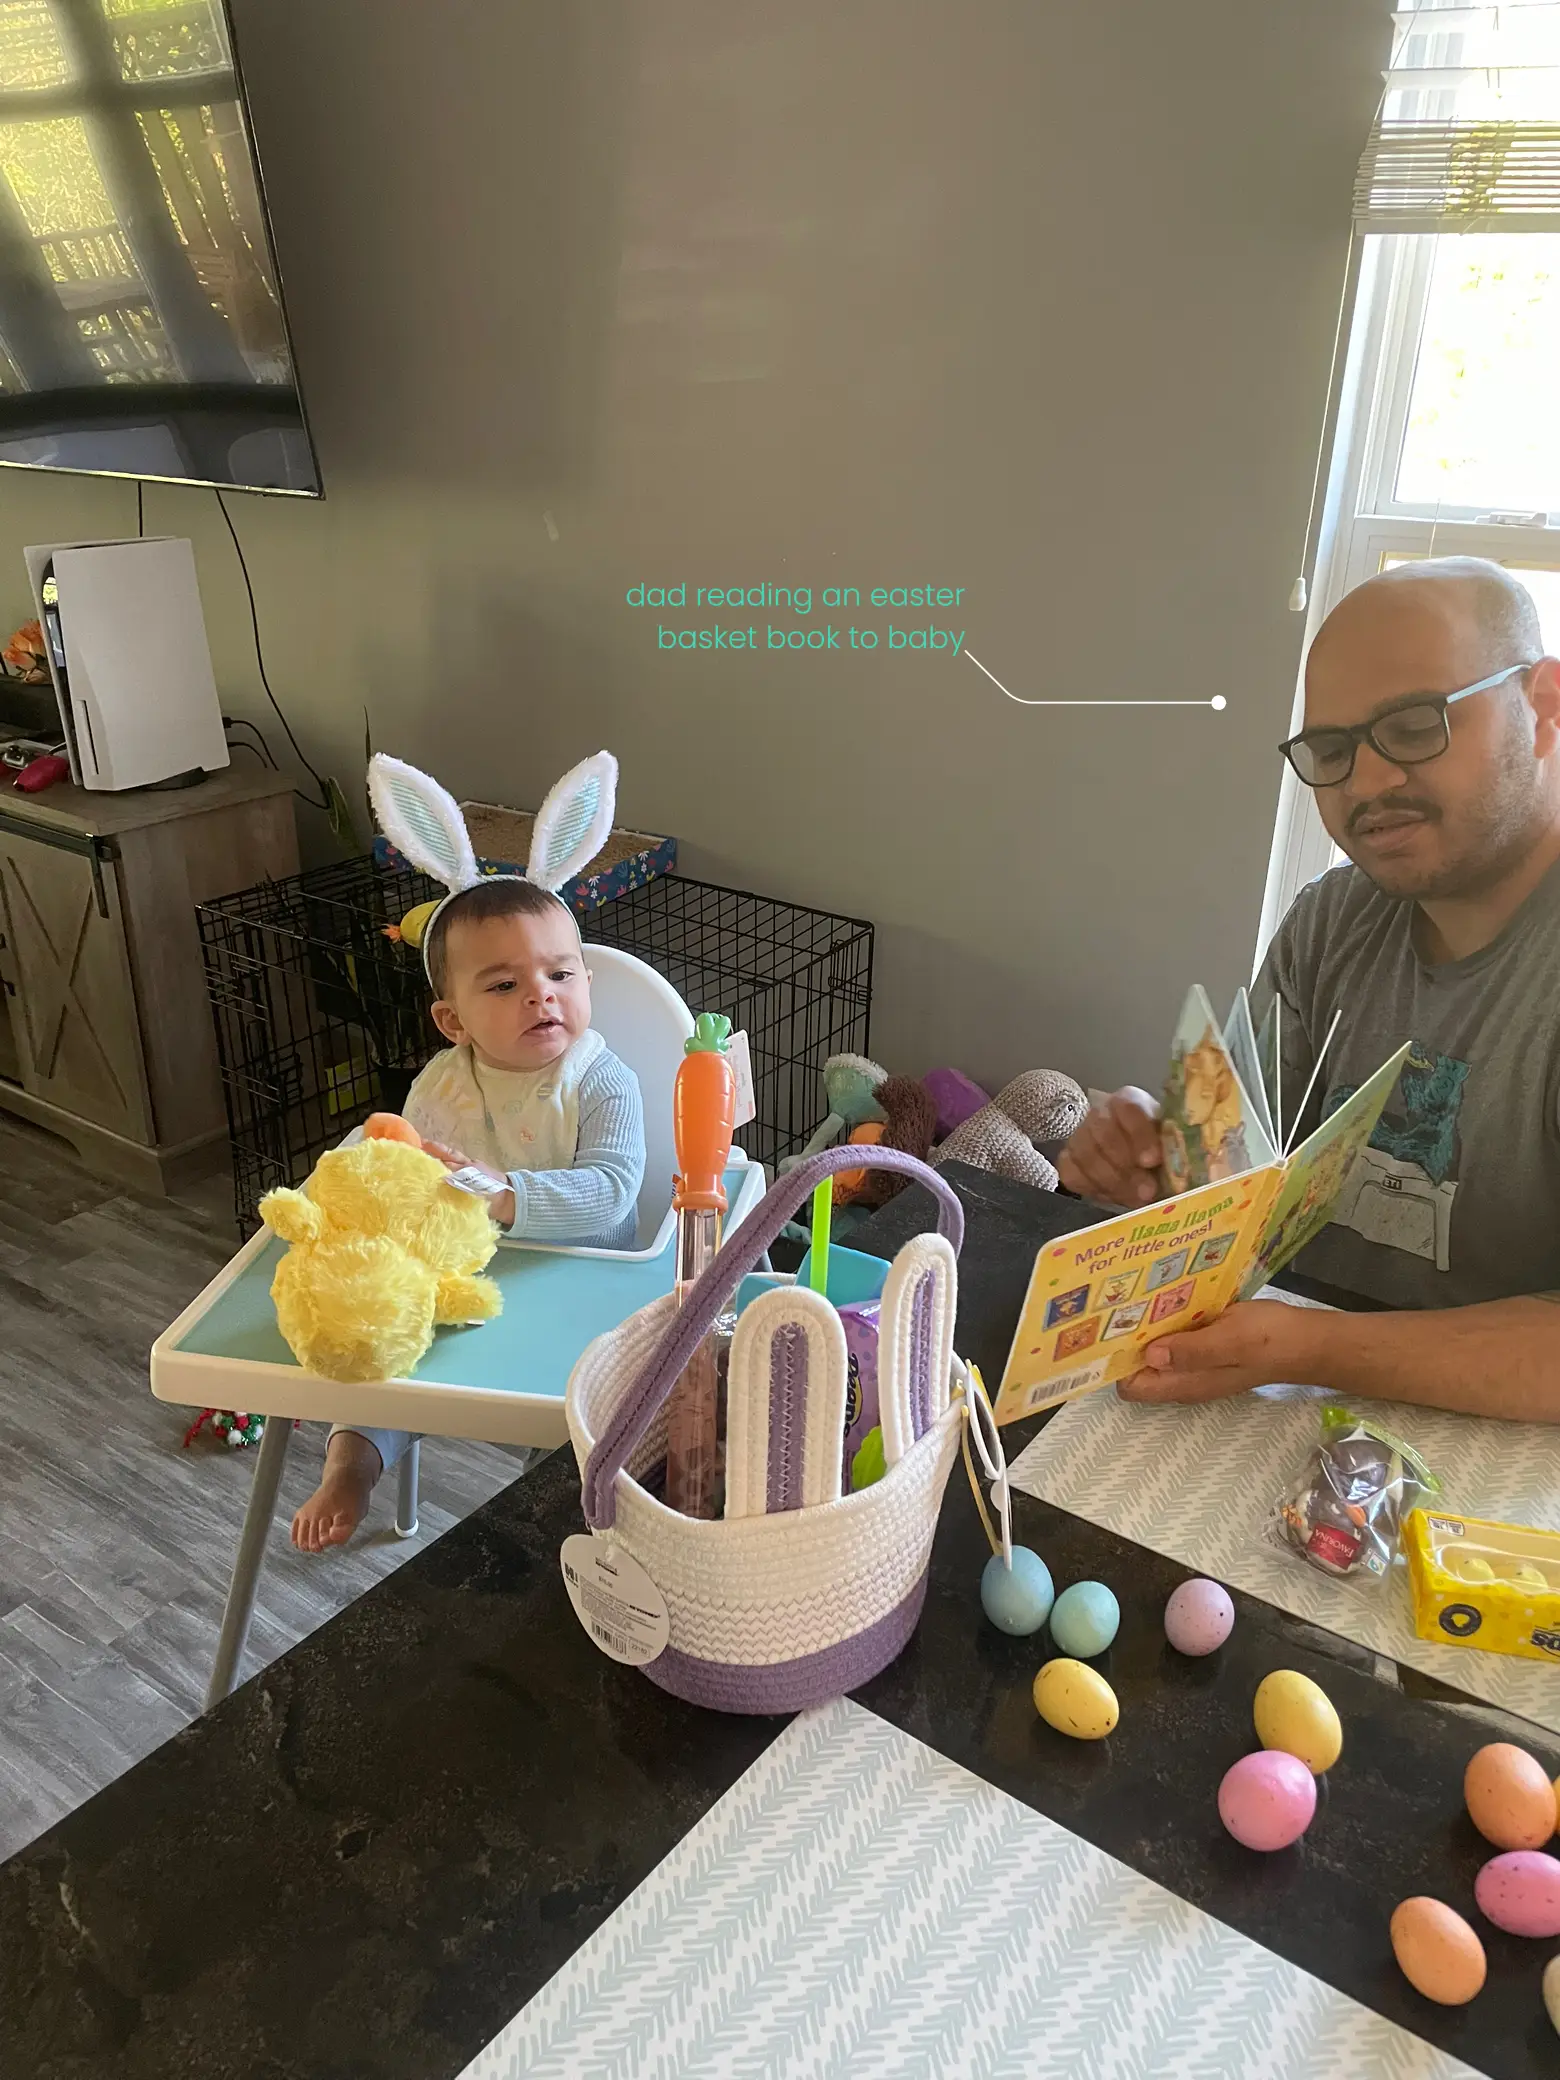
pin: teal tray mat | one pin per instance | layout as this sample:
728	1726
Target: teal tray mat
553	1307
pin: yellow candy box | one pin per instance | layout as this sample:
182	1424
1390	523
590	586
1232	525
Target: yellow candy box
1477	1584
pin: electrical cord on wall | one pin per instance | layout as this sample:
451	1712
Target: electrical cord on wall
261	749
325	801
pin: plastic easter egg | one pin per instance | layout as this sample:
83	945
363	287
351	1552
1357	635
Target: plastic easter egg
1017	1599
1199	1618
1085	1619
1520	1892
1438	1953
1557	1805
1510	1798
1268	1800
1294	1714
1552	1990
1076	1700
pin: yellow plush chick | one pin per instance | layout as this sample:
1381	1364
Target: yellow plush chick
383	1250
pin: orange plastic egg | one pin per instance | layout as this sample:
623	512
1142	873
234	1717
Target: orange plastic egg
1439	1954
1509	1796
389	1126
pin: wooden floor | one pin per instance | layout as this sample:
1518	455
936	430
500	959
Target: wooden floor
115	1544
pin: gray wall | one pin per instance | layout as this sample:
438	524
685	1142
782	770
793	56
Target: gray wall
1029	297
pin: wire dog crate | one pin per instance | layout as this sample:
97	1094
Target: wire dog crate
322	1017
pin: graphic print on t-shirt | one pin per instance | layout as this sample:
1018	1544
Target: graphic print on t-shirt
1401	1191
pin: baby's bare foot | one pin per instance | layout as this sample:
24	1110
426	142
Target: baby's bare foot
340	1502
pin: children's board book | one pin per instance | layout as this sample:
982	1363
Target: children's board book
1239	1210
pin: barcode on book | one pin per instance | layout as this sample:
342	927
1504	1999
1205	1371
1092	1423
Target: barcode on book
614	1642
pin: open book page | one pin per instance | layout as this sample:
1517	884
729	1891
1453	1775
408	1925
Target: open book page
1269	1049
1240	1043
1317	1172
1097	1297
1210	1130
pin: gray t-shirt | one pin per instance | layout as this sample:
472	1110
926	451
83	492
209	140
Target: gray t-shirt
1457	1199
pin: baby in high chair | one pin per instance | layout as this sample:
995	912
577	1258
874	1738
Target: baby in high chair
526	1093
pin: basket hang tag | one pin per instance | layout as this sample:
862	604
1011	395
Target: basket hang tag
614	1599
981	1430
740	1056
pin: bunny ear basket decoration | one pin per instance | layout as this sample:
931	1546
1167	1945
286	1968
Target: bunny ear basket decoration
425	825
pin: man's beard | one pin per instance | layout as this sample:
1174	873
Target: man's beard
1493	839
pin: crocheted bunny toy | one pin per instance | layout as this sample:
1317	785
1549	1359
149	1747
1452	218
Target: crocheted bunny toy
1042	1105
425	826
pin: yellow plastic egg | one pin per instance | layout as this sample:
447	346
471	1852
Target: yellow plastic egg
1292	1713
1076	1700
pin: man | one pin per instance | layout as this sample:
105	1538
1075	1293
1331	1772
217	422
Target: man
1432	740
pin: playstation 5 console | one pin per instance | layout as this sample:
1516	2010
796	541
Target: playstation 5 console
126	645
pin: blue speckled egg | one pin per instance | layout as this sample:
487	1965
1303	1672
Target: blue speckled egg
1017	1600
1084	1620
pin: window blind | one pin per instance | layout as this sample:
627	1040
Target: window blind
1468	137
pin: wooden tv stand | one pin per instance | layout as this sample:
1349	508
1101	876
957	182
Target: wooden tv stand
105	1029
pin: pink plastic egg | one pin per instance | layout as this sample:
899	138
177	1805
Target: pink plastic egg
1268	1800
1199	1618
1520	1892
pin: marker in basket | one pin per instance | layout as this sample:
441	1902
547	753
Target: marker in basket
823	1215
704	1106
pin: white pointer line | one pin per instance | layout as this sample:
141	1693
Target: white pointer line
1216	702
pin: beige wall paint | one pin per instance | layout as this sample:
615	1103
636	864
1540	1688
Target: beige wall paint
816	291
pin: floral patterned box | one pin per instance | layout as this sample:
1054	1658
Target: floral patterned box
502	841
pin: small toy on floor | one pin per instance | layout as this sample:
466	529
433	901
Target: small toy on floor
235	1428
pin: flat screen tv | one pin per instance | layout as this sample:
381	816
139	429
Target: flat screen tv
142	332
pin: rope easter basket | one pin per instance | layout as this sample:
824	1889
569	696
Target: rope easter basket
808	1592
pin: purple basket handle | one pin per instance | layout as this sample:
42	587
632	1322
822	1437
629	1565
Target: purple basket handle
733	1261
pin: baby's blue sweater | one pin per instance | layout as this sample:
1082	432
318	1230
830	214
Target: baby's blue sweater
594	1205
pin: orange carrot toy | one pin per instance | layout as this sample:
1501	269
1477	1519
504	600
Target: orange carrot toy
704	1107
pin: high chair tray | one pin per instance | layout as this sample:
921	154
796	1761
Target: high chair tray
502	1381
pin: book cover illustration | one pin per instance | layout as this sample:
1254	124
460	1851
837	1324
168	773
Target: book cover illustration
1210	1129
1098	1297
1315	1175
1240	1040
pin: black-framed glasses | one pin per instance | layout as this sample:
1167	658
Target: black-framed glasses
1409	733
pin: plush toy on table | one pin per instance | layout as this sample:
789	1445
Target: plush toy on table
383	1250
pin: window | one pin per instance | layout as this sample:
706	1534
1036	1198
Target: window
1448	430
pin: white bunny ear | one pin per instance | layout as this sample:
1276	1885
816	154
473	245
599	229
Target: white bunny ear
574	822
422	822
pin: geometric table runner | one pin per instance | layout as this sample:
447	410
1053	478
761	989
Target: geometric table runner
1198	1484
859	1905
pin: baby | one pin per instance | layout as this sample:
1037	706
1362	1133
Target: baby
526	1092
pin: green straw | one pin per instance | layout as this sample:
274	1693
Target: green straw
823	1203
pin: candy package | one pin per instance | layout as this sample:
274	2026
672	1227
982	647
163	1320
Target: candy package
1345	1510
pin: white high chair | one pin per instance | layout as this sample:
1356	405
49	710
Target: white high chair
224	1351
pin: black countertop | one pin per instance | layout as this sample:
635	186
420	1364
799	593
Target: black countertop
368	1858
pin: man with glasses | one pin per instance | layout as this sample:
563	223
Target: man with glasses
1432	742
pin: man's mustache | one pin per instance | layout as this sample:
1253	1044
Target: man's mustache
1413	804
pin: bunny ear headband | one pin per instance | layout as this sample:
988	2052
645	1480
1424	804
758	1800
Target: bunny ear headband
425	826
